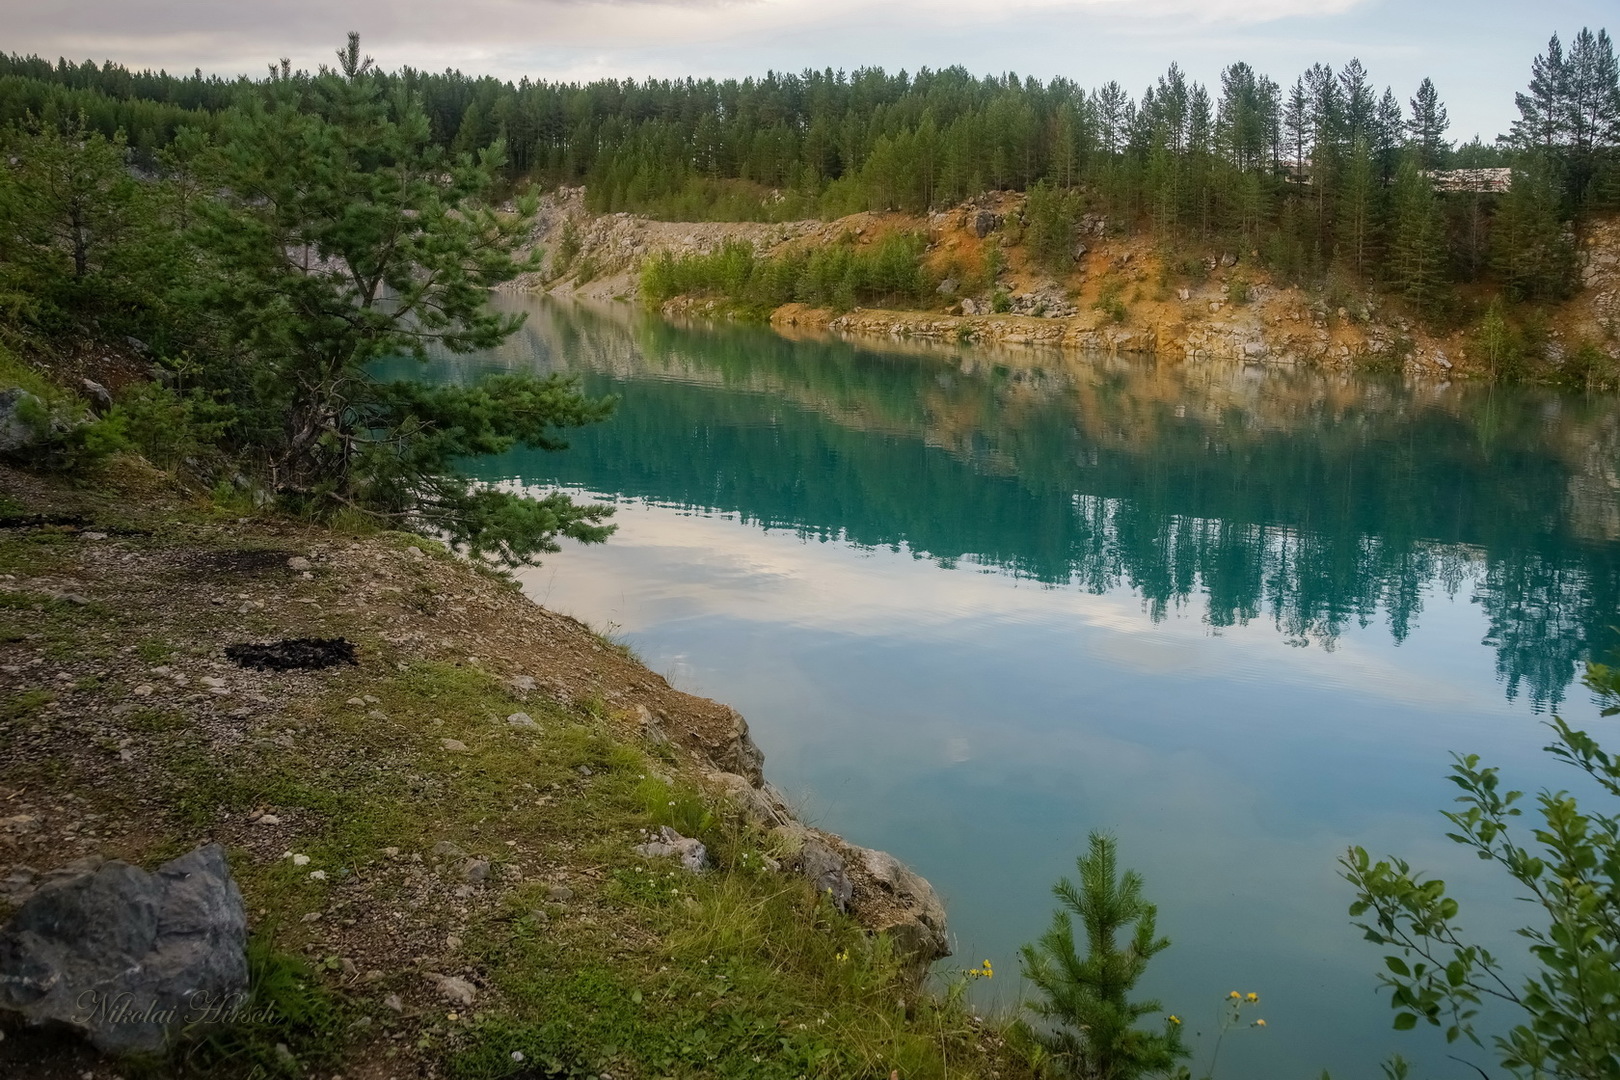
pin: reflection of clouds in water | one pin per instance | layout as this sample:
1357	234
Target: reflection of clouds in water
670	564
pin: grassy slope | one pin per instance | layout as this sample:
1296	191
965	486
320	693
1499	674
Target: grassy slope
125	732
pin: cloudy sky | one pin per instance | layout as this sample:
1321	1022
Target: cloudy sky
1477	51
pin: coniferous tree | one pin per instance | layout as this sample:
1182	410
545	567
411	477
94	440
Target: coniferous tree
1358	209
1086	998
1327	135
1360	107
1543	112
1591	107
1531	252
1050	217
344	235
1390	135
82	237
1427	126
1417	249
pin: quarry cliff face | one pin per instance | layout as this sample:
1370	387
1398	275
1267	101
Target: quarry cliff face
1120	295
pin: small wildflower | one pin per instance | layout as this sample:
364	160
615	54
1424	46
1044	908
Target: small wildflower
843	955
987	972
1234	995
1174	1019
1259	1023
1252	997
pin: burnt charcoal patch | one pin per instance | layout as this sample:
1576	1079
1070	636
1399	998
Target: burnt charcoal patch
41	521
293	654
242	562
69	523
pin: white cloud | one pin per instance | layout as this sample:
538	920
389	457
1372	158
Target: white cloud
501	34
1476	52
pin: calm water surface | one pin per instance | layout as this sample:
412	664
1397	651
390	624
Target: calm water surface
976	605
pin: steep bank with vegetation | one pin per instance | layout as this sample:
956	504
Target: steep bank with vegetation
436	845
974	273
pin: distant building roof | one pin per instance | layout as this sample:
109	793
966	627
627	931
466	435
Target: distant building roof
1472	179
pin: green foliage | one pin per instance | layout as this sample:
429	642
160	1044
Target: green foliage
1110	299
1417	258
1533	253
1570	1005
1089	1028
63	434
1053	217
1500	345
568	249
81	242
169	428
837	276
344	236
1589	368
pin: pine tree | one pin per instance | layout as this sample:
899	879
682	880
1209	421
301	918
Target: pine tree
342	235
1531	251
1360	108
1592	104
1390	134
1427	126
1086	998
77	232
1050	218
1591	109
1297	126
1417	239
1543	113
1326	103
1358	209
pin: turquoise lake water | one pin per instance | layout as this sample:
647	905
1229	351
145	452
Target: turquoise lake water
975	605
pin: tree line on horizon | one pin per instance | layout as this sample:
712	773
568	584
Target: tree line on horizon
1326	179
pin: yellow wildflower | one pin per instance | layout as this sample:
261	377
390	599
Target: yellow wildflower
1253	997
987	972
1259	1023
1174	1019
1234	995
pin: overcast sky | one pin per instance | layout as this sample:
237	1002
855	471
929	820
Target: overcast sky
1477	51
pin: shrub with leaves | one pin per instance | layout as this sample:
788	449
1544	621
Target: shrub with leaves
1568	869
1088	1027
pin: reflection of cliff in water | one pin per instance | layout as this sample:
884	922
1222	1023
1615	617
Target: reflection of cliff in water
1312	500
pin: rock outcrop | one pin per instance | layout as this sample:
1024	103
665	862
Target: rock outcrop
127	958
873	887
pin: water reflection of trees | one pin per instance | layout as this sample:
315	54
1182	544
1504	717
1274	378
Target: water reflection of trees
1317	502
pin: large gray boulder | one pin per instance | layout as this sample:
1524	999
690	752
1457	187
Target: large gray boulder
129	958
24	420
